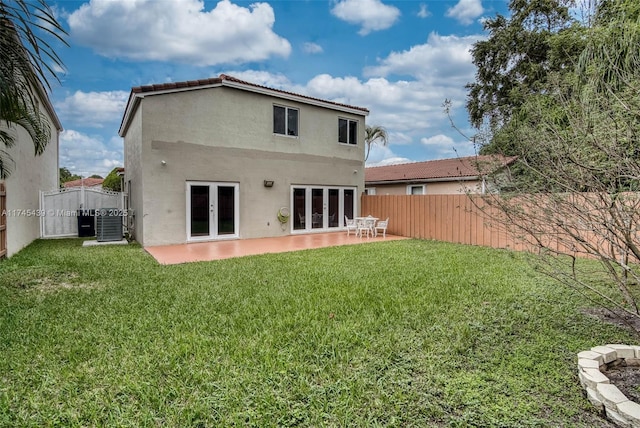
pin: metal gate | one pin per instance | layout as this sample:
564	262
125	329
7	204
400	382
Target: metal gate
59	208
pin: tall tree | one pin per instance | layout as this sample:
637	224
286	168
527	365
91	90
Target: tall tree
517	57
66	175
373	135
575	191
25	71
113	181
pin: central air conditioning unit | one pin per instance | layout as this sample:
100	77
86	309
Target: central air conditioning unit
108	224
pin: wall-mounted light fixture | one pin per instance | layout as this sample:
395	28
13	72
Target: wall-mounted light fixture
268	183
163	162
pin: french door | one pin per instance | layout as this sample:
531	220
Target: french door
212	210
317	208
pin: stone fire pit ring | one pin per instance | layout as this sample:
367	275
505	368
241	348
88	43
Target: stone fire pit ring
605	396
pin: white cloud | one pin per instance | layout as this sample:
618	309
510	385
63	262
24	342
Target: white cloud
411	107
371	15
442	60
384	155
390	161
92	109
423	12
437	140
178	30
447	147
264	78
87	155
312	48
466	11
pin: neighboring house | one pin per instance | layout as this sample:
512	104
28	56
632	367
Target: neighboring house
29	176
220	158
443	176
95	183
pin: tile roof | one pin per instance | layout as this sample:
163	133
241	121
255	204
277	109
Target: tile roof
461	168
86	182
226	78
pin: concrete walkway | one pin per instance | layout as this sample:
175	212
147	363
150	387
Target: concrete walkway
217	250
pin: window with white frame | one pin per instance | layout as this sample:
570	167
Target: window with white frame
285	121
347	131
369	190
416	189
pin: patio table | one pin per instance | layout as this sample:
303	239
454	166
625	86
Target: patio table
361	224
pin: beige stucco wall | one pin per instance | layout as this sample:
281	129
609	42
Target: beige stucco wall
432	188
30	175
133	183
226	135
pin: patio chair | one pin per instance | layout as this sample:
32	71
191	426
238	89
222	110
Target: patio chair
350	225
381	225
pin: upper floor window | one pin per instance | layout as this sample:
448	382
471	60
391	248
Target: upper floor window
285	121
347	131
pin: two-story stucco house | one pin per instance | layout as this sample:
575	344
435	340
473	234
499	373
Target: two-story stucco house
220	158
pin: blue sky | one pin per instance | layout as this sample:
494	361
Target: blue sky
400	59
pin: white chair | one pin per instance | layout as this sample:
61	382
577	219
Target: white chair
381	225
350	225
316	220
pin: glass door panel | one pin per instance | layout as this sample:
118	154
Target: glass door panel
299	208
348	199
317	208
334	208
199	221
226	210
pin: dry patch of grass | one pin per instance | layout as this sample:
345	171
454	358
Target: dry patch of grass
43	280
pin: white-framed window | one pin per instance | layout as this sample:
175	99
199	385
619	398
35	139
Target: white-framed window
285	120
369	190
347	131
416	189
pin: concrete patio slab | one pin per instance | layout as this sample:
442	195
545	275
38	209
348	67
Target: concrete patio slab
218	250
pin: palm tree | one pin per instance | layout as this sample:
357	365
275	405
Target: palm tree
373	134
24	71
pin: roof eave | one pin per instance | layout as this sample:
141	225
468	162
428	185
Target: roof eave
294	97
424	180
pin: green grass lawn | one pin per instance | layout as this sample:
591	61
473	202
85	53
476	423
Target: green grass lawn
404	333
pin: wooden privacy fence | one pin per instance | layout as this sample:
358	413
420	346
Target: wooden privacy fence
3	221
581	224
449	218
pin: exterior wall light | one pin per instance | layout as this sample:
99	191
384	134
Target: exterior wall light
268	183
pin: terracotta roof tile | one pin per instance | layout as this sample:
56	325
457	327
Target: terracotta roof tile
466	167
